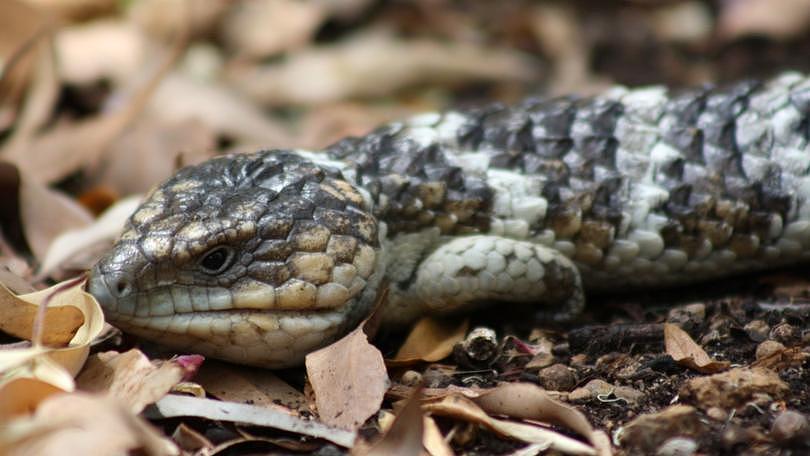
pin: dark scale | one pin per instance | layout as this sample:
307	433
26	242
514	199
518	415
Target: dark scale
572	144
413	186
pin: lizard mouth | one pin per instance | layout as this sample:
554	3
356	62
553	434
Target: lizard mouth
266	337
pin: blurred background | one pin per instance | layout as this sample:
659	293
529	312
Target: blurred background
104	98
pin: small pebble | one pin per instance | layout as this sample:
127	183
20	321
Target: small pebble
757	330
677	446
557	377
790	427
784	332
411	378
768	348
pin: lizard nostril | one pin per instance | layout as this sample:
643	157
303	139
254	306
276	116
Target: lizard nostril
122	287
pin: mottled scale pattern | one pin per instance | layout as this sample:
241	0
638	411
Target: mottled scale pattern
301	239
265	257
641	185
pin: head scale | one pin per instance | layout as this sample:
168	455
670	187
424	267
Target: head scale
256	259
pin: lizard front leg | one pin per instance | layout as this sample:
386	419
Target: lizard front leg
466	272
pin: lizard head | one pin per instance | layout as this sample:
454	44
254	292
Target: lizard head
257	259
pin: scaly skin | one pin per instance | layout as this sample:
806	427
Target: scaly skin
261	258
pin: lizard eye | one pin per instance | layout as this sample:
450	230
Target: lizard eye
216	260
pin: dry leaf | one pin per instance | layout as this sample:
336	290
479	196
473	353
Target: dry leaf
783	20
349	380
80	249
17	316
82	424
77	10
173	406
259	29
14	282
180	98
46	213
106	49
30	384
41	97
71	357
460	407
20	27
150	150
528	401
405	436
190	440
163	19
33	373
71	146
430	340
433	440
684	350
229	382
131	378
376	64
532	449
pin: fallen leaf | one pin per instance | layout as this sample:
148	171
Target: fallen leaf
376	64
150	150
72	356
405	435
532	449
172	406
18	314
162	19
528	401
190	440
433	440
15	283
30	383
430	340
46	213
21	26
759	17
229	382
81	248
460	407
349	380
684	350
31	374
180	98
71	146
131	378
100	50
77	10
260	29
42	94
82	424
